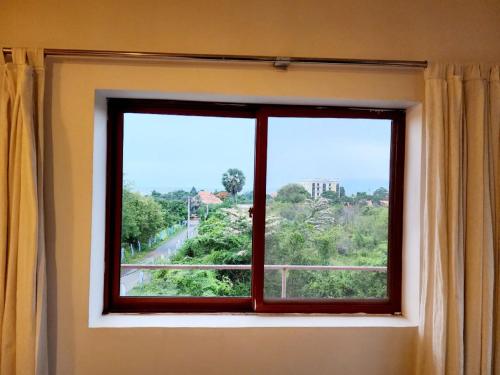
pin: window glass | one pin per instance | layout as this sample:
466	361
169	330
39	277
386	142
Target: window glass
323	243
187	189
186	233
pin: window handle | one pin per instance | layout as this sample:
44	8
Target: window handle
250	212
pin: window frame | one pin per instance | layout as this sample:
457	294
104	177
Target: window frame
114	303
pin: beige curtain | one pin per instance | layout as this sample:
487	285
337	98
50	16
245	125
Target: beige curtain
23	341
460	301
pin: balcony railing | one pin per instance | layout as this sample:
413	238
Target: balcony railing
283	268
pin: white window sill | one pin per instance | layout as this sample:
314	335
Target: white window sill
246	321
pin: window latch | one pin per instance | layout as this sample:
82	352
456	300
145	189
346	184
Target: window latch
250	212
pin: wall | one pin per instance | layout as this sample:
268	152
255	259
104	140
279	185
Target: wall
77	349
453	30
465	30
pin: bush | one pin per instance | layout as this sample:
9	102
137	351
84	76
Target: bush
292	193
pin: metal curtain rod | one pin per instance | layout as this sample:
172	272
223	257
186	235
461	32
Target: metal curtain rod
277	61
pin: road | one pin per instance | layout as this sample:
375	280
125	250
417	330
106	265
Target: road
173	244
132	278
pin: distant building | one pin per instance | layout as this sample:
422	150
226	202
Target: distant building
319	186
222	195
208	198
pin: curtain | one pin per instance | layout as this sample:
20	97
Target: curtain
459	331
23	340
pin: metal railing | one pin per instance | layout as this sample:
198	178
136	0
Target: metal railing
283	268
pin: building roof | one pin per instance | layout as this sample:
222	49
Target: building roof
222	195
208	198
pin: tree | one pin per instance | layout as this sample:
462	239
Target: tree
338	197
380	194
332	196
149	217
130	229
193	192
233	181
142	217
292	193
172	195
362	197
174	211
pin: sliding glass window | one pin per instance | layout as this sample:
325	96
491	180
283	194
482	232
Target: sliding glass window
217	207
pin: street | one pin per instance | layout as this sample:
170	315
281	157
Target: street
132	278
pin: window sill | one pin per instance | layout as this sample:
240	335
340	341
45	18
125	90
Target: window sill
247	321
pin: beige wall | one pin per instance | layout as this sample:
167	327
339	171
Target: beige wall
425	29
454	30
77	349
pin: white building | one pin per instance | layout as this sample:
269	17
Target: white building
317	187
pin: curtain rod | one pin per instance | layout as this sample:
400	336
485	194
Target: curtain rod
277	61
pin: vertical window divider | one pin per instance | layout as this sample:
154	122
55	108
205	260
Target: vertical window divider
114	203
396	189
259	216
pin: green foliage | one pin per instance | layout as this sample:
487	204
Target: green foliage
342	284
179	195
332	230
312	233
198	283
174	211
292	193
223	238
233	181
142	217
146	248
245	197
338	197
380	194
332	196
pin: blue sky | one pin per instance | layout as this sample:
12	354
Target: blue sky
165	152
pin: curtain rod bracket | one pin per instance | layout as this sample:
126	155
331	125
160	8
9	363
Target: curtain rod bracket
282	63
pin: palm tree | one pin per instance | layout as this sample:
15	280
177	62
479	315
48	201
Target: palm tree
233	181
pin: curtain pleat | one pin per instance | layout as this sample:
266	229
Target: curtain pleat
494	170
23	345
460	216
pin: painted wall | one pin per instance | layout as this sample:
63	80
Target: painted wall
427	29
446	30
77	349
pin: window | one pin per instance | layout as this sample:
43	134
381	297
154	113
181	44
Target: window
212	207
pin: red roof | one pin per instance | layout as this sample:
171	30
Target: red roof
208	198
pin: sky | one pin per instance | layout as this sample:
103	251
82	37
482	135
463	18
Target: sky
167	152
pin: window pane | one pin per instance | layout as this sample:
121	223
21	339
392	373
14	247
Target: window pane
327	208
187	188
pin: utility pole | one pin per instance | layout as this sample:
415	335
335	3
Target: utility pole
189	216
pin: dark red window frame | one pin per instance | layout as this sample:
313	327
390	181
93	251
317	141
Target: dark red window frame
113	302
